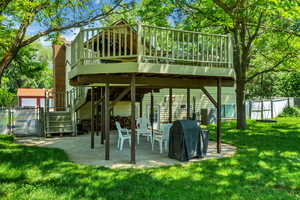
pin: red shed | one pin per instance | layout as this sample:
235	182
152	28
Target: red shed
31	97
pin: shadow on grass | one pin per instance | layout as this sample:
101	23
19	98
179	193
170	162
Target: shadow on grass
266	166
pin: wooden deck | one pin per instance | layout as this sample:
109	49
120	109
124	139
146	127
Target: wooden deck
148	49
129	58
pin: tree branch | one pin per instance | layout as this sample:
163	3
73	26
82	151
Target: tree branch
74	25
3	5
276	29
254	35
225	8
198	10
274	67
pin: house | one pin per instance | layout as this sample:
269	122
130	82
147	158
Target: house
133	70
31	97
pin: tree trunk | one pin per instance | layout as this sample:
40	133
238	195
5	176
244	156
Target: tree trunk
240	104
6	60
240	64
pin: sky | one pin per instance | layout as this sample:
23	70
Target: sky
68	34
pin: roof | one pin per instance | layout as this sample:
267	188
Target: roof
120	22
32	92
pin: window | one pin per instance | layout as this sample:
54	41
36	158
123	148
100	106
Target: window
28	102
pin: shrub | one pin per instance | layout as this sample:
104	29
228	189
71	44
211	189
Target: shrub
7	138
290	112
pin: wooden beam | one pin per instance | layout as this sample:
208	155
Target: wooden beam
170	105
121	96
154	82
92	120
101	99
219	104
212	100
188	102
107	122
133	134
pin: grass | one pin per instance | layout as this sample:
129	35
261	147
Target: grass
266	166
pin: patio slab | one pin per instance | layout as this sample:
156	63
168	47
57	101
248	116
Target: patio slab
79	151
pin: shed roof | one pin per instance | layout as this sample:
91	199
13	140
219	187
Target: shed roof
32	92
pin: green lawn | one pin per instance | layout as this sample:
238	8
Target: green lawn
266	166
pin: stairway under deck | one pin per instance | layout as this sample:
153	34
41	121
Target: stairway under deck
58	122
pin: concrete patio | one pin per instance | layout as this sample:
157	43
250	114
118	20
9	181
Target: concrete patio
78	150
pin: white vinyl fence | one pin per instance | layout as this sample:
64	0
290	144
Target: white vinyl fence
267	108
21	121
4	120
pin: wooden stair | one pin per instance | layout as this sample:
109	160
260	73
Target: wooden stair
58	122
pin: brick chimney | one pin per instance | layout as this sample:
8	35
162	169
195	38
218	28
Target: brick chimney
59	71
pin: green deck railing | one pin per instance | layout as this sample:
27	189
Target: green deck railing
150	44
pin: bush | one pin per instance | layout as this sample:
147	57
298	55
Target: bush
7	98
7	138
290	112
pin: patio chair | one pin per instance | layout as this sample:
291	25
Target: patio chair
162	137
142	125
123	134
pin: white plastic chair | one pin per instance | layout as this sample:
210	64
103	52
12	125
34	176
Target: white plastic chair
142	125
123	134
162	138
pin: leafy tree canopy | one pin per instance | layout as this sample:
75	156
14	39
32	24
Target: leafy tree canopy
24	21
30	69
251	23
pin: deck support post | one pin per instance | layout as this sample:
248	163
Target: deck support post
133	134
97	110
102	117
170	104
107	122
188	102
92	119
141	108
219	103
194	108
152	114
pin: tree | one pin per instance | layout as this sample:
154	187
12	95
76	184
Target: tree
145	11
29	69
275	56
7	98
289	84
50	16
263	86
246	21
